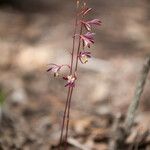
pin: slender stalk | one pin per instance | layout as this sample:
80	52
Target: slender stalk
68	118
79	45
64	117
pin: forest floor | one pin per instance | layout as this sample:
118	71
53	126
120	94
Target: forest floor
34	102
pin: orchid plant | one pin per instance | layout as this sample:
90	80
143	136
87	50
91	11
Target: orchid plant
83	38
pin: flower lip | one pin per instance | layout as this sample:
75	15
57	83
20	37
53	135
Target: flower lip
83	56
56	68
70	81
87	53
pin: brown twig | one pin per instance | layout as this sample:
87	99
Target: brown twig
136	99
120	133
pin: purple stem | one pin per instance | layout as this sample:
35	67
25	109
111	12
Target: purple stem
68	118
64	116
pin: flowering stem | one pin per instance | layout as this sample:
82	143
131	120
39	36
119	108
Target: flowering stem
70	90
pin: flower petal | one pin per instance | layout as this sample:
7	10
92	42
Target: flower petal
86	11
94	22
83	56
88	39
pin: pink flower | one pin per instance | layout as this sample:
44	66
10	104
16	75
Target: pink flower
85	11
70	81
83	56
87	39
56	68
88	24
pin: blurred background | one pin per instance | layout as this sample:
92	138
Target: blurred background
34	33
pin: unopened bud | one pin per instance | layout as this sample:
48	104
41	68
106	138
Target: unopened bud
78	3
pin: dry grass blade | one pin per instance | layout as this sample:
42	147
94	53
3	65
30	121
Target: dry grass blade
76	144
